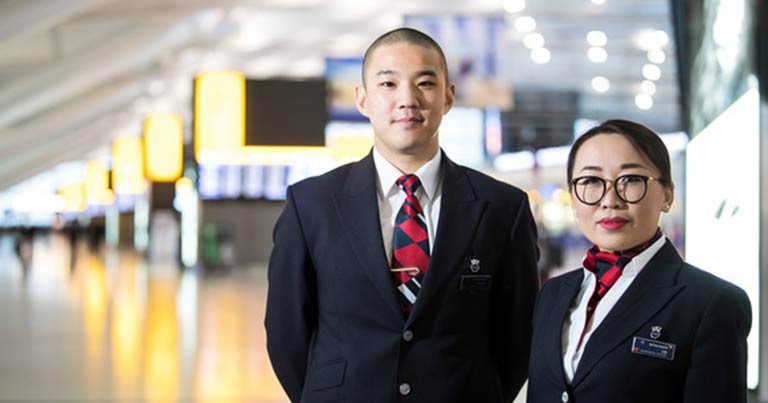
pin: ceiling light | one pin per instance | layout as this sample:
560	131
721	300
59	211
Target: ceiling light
661	38
514	6
540	56
656	56
651	39
651	72
598	2
648	87
643	101
533	40
600	84
525	24
597	38
597	55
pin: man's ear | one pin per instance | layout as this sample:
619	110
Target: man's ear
450	97
361	99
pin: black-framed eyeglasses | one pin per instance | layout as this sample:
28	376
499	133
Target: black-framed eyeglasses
629	188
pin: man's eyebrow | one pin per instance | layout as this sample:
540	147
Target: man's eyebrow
386	73
390	72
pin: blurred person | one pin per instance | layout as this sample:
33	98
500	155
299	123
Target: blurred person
96	234
25	240
636	323
71	229
403	275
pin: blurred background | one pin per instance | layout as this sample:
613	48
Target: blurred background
146	145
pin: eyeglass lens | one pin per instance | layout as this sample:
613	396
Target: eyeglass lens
592	189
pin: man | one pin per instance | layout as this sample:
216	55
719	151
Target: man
388	287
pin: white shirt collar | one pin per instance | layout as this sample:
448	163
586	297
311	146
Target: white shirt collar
388	174
638	262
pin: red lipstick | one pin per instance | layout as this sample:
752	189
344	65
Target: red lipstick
612	223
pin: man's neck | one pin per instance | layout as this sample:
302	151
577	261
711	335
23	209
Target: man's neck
408	163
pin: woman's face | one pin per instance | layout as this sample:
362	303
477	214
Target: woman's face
613	224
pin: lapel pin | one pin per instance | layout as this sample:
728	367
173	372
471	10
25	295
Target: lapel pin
474	265
655	332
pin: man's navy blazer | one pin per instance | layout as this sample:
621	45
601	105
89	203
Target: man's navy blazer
706	320
335	332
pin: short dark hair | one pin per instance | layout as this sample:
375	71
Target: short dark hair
643	139
407	35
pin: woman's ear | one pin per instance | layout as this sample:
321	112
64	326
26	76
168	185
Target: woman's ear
669	197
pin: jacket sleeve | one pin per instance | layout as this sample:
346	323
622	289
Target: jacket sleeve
717	368
291	314
513	303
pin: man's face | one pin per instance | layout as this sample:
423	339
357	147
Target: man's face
405	96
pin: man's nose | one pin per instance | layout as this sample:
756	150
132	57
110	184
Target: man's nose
408	96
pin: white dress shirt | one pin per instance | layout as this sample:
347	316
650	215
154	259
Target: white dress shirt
391	197
574	323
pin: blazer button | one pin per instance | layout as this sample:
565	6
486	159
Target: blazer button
408	335
405	389
564	397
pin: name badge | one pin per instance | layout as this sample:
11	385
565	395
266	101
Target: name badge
475	282
653	348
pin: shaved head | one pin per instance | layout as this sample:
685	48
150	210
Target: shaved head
405	35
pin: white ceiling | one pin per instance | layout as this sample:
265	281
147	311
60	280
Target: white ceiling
74	74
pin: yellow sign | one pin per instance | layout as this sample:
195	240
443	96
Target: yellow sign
163	146
219	111
128	166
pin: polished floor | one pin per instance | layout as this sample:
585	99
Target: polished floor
107	326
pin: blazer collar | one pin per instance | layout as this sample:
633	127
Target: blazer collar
653	288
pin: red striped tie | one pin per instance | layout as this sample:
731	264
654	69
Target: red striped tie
410	244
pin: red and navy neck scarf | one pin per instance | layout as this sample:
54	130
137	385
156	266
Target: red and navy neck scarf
608	267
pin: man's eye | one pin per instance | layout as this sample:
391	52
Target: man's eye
426	84
388	84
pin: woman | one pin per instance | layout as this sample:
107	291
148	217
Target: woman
653	328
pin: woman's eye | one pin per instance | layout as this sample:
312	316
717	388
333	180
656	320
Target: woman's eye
590	180
630	179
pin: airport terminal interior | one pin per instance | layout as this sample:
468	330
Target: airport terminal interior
146	147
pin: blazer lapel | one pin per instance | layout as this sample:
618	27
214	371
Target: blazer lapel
653	288
554	326
358	211
460	212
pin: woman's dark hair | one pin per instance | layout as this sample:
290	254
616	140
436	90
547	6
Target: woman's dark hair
643	139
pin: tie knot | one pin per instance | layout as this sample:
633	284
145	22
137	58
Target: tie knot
409	183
